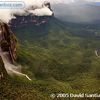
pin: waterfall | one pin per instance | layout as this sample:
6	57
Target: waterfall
10	68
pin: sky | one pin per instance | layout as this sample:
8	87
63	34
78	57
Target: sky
78	11
71	1
66	10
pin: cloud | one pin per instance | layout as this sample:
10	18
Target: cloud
41	12
34	7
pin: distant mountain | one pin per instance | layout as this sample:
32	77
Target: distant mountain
24	20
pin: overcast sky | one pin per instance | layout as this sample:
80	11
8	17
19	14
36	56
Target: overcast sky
79	11
66	10
72	1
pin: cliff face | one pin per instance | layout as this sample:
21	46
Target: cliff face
21	21
8	41
7	45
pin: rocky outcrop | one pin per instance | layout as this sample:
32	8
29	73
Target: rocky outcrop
8	41
47	4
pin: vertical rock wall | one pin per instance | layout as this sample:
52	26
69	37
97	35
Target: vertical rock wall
8	44
8	41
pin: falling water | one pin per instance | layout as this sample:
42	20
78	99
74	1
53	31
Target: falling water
10	68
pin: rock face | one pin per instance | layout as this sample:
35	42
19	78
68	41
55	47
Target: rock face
21	21
8	41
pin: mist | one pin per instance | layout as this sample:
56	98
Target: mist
78	11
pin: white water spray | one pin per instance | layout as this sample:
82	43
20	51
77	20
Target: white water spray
10	68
